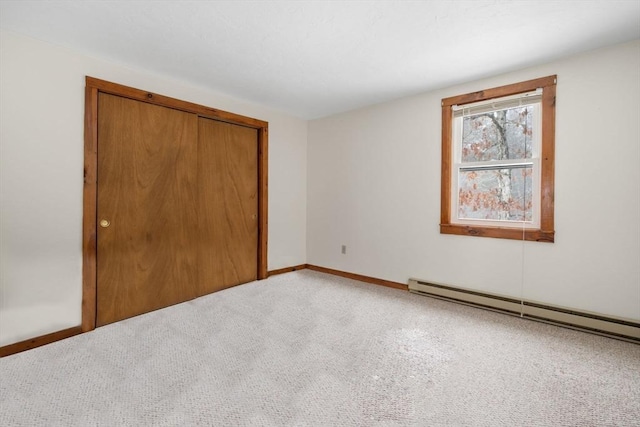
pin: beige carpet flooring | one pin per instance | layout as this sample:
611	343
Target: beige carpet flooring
309	349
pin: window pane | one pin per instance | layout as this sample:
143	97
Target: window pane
496	194
498	135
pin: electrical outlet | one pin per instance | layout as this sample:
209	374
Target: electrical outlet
344	249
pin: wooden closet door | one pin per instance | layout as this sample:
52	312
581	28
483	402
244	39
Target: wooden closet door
147	190
228	188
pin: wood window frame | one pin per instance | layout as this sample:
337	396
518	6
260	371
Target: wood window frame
546	232
95	86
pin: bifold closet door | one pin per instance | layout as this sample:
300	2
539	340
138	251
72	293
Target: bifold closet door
228	188
147	251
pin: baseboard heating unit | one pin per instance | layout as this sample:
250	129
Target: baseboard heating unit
625	329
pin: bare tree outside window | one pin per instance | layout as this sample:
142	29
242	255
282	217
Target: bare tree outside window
502	194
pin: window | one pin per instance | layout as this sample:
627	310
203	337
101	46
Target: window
498	162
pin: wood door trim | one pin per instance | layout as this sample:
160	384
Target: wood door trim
89	210
90	194
263	206
165	101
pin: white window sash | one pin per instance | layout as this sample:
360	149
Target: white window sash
459	112
535	195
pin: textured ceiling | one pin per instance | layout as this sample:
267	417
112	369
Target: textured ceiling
316	58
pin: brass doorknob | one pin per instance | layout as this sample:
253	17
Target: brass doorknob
104	223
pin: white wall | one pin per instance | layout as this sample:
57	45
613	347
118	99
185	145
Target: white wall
41	153
374	185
